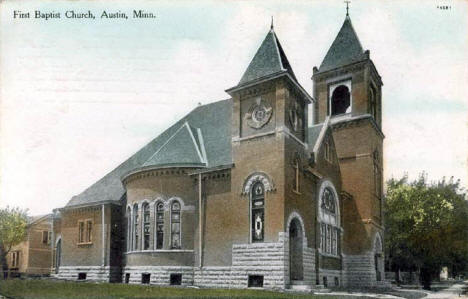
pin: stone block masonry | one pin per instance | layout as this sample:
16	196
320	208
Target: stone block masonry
159	275
93	273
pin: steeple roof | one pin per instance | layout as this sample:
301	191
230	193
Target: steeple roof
344	50
270	59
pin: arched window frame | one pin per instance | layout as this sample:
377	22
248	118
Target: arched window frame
373	109
135	226
129	228
257	212
175	218
329	220
332	87
145	226
159	225
297	173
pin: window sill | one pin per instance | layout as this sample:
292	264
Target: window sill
84	243
296	192
329	255
160	251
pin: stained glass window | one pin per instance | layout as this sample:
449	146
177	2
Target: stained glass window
146	226
136	227
329	223
175	224
258	212
159	225
129	230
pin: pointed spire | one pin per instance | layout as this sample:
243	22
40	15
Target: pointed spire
271	27
270	59
345	49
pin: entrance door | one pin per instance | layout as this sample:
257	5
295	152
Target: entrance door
58	255
295	250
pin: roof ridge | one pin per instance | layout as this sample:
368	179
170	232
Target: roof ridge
165	143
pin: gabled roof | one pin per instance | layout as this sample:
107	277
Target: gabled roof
344	50
183	148
213	121
37	218
270	59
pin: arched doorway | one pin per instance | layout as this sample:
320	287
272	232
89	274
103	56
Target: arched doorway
295	250
58	255
378	258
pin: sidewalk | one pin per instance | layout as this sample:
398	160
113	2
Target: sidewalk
458	290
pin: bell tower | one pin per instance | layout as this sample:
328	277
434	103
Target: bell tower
269	128
348	89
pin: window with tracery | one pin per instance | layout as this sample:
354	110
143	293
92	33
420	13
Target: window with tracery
136	227
257	195
146	226
329	227
175	224
159	225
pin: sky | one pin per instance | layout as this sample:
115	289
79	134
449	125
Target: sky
79	96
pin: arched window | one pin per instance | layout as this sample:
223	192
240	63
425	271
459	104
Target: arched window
175	224
136	232
129	229
257	206
373	103
296	166
159	225
146	226
329	226
340	100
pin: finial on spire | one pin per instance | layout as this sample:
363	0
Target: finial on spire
347	7
271	27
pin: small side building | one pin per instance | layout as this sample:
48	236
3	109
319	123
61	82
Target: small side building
32	257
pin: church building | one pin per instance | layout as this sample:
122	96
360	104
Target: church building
243	192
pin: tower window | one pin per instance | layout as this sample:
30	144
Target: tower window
257	195
373	103
296	166
340	100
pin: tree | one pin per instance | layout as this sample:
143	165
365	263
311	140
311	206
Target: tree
426	226
13	223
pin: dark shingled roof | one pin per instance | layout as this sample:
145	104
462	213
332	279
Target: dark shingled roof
182	148
202	138
345	49
270	59
214	121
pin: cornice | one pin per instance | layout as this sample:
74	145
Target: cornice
355	121
144	173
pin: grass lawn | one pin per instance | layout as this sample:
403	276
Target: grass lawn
39	289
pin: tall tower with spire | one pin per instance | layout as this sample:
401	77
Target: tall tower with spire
347	88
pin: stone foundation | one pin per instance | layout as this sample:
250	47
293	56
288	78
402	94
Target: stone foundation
159	275
359	270
93	273
331	276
